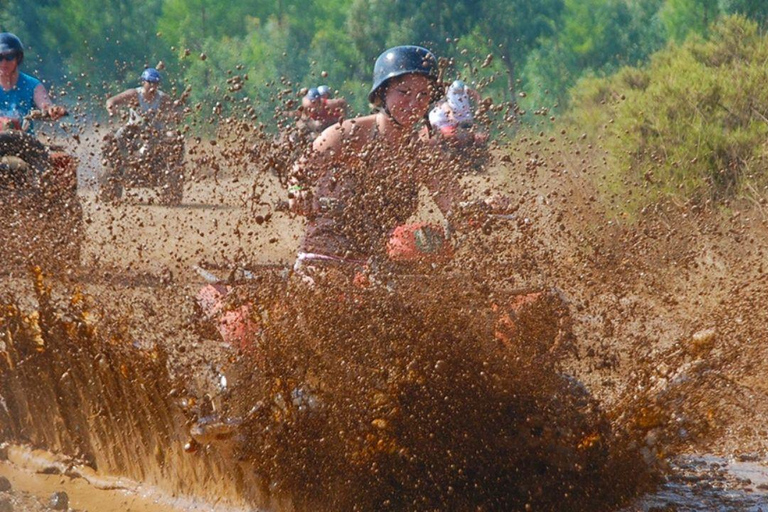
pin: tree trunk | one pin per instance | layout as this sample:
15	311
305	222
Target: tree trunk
510	66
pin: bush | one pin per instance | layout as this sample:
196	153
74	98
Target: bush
693	124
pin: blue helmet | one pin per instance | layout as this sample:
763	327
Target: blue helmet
398	61
313	94
324	91
151	75
9	43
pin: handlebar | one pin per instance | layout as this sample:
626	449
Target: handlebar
40	115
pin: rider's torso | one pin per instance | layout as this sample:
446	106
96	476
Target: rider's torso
20	100
460	108
147	111
356	207
146	106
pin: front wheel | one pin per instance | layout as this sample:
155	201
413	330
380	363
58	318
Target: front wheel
172	181
172	191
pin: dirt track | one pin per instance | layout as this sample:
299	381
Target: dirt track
667	308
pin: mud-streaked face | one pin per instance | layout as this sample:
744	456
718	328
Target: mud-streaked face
407	98
150	87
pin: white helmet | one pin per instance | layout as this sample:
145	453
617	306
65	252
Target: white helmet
457	87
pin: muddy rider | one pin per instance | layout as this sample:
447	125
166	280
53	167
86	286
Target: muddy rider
20	94
150	113
147	103
363	176
319	110
453	117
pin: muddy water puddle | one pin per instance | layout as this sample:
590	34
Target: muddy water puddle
35	477
705	483
697	483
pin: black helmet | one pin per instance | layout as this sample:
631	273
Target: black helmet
401	60
9	43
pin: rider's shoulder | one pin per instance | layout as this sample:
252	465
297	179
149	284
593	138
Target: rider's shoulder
26	80
357	132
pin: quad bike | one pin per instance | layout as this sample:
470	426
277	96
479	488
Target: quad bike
538	318
41	218
293	141
300	391
139	155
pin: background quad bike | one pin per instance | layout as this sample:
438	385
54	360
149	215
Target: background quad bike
41	218
142	156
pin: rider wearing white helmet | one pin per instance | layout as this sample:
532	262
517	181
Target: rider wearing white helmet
455	110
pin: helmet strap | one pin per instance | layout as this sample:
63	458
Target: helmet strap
391	117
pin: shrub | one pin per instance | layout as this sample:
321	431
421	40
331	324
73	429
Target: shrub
693	124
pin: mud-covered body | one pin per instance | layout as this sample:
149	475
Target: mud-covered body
41	218
141	156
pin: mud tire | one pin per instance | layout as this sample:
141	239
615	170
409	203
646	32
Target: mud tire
111	181
110	188
172	190
67	235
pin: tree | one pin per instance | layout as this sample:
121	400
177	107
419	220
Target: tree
754	9
681	17
516	27
594	37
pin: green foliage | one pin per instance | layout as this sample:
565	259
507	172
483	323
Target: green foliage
681	17
596	38
122	37
693	124
753	9
540	47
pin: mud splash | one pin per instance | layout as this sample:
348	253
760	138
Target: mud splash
72	385
403	399
354	399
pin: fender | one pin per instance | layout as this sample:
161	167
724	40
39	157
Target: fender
420	242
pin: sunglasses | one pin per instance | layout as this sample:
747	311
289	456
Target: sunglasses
8	56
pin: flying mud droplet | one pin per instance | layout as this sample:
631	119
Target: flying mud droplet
59	501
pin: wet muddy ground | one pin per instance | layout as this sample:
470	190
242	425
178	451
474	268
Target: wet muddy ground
666	312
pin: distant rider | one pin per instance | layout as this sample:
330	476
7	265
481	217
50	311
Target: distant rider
453	118
147	103
319	110
150	111
20	94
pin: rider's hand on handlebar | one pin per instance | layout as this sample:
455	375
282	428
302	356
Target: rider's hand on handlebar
299	200
479	212
55	112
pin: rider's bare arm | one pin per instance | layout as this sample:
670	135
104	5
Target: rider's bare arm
300	188
454	202
128	97
473	94
44	103
328	151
